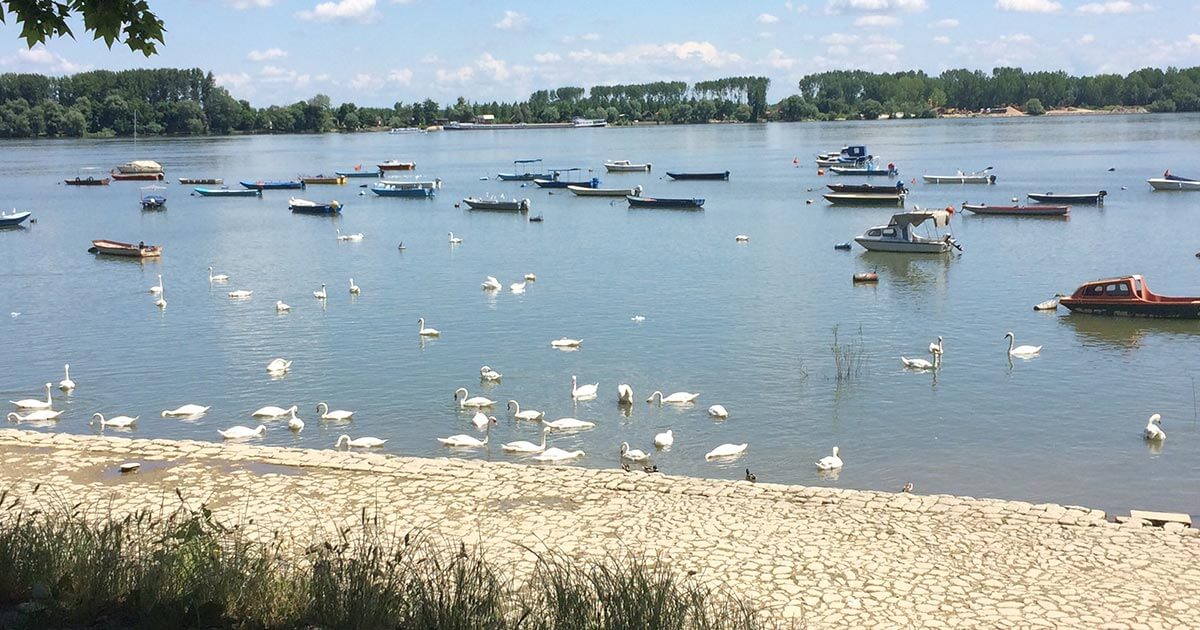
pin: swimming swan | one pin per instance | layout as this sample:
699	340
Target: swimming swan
726	450
554	454
354	290
1153	432
279	366
488	374
161	302
477	401
830	462
156	289
678	398
337	416
119	422
468	441
239	432
295	423
426	332
349	237
935	348
322	294
186	410
240	294
362	442
718	411
280	307
566	424
664	439
633	455
66	384
481	420
455	240
517	287
30	403
1020	351
583	392
624	394
523	446
919	364
271	411
491	284
220	277
566	342
34	416
529	415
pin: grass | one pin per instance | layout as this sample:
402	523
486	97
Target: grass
848	358
187	570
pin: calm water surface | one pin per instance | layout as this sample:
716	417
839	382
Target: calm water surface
747	325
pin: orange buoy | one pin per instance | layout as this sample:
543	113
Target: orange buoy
869	276
820	172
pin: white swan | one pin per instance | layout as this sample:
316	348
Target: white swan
678	398
566	424
638	318
339	415
554	454
830	462
426	332
1020	351
349	237
529	415
66	384
566	342
34	416
530	277
119	422
523	446
726	450
935	348
454	240
31	403
161	302
468	441
271	411
322	294
742	238
517	287
491	284
156	289
664	439
295	423
1153	432
354	290
477	401
633	455
624	394
583	392
278	366
280	307
718	411
220	277
239	432
918	364
362	442
481	420
488	374
240	294
184	411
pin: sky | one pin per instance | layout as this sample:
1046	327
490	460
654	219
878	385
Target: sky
377	52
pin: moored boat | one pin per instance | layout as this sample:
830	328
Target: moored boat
1128	296
505	205
14	219
584	191
153	197
899	235
201	181
556	179
980	177
1173	182
360	172
86	181
137	177
323	179
128	250
406	188
228	192
865	199
396	165
287	184
660	202
1037	210
724	175
867	170
848	156
1071	199
625	166
868	188
526	175
140	167
304	206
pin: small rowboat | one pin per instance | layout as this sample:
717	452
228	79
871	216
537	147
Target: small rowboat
1019	211
201	181
868	188
962	178
554	183
137	177
864	171
86	181
304	206
323	179
690	176
509	205
14	219
659	202
625	166
865	199
374	173
1128	296
1173	182
582	191
1081	199
128	250
274	185
396	165
228	192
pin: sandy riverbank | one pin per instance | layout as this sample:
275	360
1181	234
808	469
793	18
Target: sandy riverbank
833	558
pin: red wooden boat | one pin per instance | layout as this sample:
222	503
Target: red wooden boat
1128	296
396	165
136	177
1040	210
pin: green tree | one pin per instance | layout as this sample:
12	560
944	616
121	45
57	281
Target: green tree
1034	107
128	21
74	124
870	109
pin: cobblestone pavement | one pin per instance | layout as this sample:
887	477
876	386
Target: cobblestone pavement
825	557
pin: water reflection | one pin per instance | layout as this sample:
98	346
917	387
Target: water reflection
1124	333
903	269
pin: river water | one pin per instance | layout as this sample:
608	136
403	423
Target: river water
748	325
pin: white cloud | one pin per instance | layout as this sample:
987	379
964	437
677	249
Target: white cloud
941	39
779	60
362	81
1029	6
45	61
1116	7
839	39
251	4
946	23
457	75
283	76
264	55
512	21
879	47
547	57
429	58
496	67
233	80
877	21
590	37
767	18
401	76
486	66
843	6
340	10
1087	38
691	51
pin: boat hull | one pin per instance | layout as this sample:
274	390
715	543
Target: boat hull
13	220
1140	309
959	179
153	202
699	176
285	185
519	205
364	174
626	168
554	183
228	192
201	181
902	247
414	193
523	177
1019	211
86	181
397	166
864	172
126	250
605	192
1160	183
137	177
870	189
1084	199
302	207
322	180
864	199
656	202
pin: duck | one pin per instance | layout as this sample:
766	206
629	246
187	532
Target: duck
726	450
240	432
156	289
32	403
295	423
278	366
322	294
184	411
119	422
742	238
633	455
486	373
554	454
907	487
664	439
354	290
583	392
529	277
517	287
751	477
566	424
529	415
830	462
523	446
454	240
271	411
349	237
1020	351
491	284
336	416
624	394
566	342
280	307
362	442
240	294
918	364
66	384
678	398
1153	431
718	411
935	347
469	441
426	332
218	277
481	420
38	415
476	401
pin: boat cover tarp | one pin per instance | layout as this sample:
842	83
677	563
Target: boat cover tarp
940	218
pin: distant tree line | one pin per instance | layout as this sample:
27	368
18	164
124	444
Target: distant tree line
188	101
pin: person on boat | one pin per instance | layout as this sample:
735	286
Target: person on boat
141	244
900	185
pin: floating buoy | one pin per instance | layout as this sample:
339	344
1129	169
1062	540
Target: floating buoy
844	246
808	202
820	172
868	276
795	161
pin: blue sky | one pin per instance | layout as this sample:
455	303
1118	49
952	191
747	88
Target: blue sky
375	52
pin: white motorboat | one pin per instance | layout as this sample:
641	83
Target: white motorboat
140	167
584	191
1173	182
899	235
980	177
625	166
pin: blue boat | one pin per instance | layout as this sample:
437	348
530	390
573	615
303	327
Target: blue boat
13	220
556	181
525	176
360	173
304	206
289	184
153	198
413	189
658	202
227	192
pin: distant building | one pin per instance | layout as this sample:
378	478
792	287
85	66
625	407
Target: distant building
485	119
